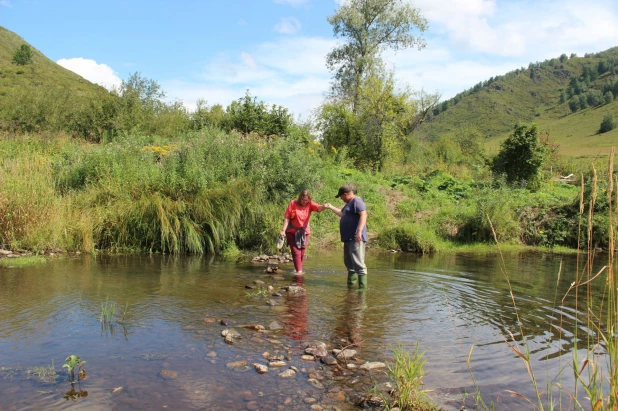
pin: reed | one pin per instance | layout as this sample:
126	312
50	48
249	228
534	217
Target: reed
108	310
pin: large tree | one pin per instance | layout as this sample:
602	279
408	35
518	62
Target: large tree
368	27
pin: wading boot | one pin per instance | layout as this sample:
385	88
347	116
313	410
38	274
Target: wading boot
351	278
362	282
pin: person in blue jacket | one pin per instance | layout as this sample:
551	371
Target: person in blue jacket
353	230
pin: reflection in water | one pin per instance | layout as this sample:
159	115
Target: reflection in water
349	324
296	321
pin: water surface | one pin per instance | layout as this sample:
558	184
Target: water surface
445	303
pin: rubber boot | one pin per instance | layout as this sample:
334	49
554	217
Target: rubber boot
351	278
362	282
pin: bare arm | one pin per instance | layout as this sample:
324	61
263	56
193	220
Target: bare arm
361	224
333	209
286	221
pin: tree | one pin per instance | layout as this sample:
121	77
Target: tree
608	123
249	115
608	97
23	55
522	156
384	115
563	58
368	27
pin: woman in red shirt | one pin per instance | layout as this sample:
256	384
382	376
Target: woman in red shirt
296	227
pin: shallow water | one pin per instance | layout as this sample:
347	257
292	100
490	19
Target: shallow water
445	303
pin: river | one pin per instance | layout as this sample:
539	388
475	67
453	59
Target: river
170	312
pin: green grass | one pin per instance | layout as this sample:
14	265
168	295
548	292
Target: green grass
22	261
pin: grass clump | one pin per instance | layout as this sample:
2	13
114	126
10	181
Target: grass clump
45	374
407	374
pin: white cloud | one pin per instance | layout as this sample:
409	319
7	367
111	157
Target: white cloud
92	71
294	3
287	25
5	3
468	41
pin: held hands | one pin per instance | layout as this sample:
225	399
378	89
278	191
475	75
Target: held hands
328	205
282	234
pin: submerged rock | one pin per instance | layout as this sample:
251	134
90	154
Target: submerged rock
260	368
275	326
168	375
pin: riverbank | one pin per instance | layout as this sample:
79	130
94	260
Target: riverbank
218	193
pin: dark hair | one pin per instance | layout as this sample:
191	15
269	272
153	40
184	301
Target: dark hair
302	194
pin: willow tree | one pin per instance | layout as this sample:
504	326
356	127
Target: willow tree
368	28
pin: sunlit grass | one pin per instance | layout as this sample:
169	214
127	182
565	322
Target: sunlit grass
21	262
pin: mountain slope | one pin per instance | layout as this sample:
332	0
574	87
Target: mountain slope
534	95
42	72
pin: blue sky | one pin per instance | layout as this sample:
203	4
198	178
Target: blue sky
215	50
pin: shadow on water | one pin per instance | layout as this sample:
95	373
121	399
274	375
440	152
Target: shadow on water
167	349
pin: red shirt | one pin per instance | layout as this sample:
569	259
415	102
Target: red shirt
299	216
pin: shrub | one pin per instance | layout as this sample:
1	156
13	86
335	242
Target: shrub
608	123
23	55
522	156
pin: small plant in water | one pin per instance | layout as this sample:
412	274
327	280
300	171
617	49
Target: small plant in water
72	362
108	309
407	374
260	292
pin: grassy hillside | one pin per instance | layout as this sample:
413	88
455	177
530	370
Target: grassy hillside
533	95
42	72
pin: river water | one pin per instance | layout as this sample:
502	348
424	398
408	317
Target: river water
169	313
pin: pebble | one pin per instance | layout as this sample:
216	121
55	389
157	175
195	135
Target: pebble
287	374
372	365
276	364
260	368
307	357
309	400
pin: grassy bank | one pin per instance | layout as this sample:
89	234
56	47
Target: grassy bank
213	191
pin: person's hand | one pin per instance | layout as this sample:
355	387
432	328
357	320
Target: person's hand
358	237
282	234
327	205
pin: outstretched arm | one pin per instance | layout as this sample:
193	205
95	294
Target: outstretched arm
333	209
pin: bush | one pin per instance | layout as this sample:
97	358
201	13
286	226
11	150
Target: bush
23	55
409	237
522	156
608	124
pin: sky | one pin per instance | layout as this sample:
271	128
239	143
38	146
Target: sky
216	50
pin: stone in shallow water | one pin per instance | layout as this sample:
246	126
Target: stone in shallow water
315	383
287	374
211	354
344	354
307	357
316	348
240	366
328	360
372	365
260	368
277	364
275	326
168	375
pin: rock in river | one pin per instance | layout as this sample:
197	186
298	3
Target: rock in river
260	368
287	374
372	365
168	375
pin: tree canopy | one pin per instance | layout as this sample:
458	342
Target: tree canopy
369	27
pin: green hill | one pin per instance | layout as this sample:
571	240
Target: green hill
533	94
42	72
